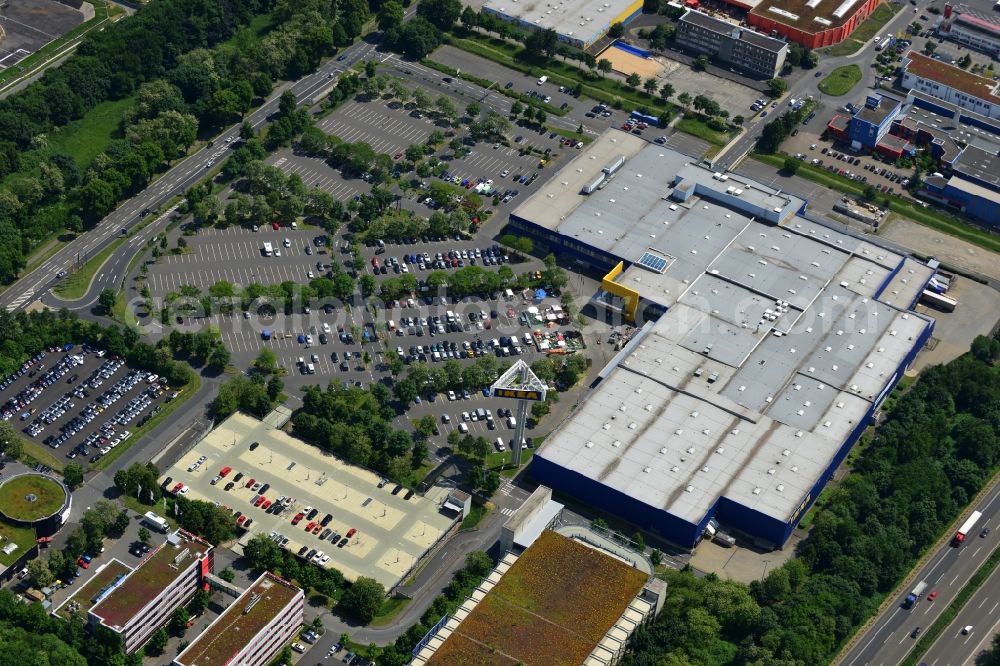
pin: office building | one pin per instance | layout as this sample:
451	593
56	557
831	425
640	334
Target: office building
865	126
138	603
965	26
778	342
951	84
973	186
733	45
252	630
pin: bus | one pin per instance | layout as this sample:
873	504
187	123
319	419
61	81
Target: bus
268	250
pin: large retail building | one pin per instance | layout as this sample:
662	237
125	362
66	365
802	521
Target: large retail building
778	340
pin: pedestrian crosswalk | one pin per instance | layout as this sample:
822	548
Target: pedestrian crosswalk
506	487
17	302
507	511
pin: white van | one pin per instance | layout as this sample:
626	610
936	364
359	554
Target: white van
543	80
500	445
511	422
528	339
462	428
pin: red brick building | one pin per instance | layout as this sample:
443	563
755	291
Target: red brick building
811	23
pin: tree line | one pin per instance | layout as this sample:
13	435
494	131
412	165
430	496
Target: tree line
936	449
191	65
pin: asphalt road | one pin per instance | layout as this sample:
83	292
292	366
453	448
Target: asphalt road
953	648
888	640
172	183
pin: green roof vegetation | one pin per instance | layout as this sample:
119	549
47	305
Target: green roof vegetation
29	497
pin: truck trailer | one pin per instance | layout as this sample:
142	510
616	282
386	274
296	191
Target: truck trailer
966	527
914	595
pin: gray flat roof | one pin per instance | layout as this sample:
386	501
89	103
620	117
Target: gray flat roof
576	19
978	163
773	347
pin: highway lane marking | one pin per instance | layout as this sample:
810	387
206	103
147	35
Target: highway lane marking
954	579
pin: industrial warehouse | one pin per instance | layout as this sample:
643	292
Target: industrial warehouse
778	341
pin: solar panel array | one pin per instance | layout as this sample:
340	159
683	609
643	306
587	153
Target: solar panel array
653	262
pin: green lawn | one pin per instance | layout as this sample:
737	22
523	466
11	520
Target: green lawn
87	137
24	537
866	31
390	608
840	81
929	217
76	285
698	128
476	515
47	496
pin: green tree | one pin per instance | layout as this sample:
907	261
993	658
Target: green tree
179	620
604	66
791	166
616	30
106	299
633	80
777	87
157	642
39	573
362	599
73	475
227	575
472	110
700	63
144	535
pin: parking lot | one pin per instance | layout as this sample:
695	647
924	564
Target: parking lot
381	532
79	401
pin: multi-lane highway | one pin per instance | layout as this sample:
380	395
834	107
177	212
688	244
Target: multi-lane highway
889	638
954	648
170	184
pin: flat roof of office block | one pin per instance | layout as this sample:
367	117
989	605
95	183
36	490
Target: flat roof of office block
777	339
243	620
153	574
575	19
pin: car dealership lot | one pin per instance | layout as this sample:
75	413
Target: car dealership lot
391	530
78	401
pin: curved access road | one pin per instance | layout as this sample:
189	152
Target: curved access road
128	216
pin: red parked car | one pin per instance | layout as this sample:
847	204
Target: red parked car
351	532
250	483
298	518
311	524
224	471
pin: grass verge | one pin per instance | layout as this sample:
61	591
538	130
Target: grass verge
948	616
492	85
698	128
840	81
35	452
76	285
882	14
24	537
928	217
476	515
390	608
166	410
